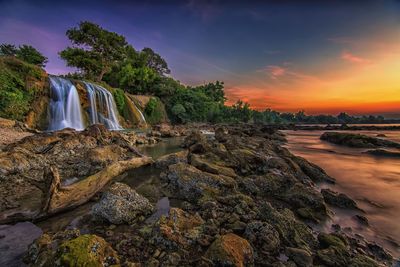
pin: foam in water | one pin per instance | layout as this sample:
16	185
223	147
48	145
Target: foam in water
65	107
102	107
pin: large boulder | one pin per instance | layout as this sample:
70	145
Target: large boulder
230	250
121	204
46	173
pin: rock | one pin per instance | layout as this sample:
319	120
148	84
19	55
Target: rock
193	184
383	153
230	250
179	228
379	253
357	140
292	232
221	134
170	159
338	199
121	204
363	261
301	257
263	235
381	135
50	172
86	250
361	220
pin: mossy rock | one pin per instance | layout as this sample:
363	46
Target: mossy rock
231	250
86	251
332	240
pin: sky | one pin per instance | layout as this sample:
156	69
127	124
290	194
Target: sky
288	55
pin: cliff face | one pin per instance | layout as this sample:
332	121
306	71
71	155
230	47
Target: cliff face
24	92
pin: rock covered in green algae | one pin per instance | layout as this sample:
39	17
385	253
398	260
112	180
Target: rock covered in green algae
121	204
86	250
69	248
230	250
357	140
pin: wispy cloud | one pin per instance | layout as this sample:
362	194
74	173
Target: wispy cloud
275	71
354	59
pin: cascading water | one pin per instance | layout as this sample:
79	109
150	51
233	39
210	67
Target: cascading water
65	107
102	107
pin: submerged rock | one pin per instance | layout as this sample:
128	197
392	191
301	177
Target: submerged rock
121	204
357	140
338	199
383	153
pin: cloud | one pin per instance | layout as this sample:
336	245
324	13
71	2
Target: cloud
354	59
274	71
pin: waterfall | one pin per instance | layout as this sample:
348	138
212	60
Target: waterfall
102	107
65	107
142	118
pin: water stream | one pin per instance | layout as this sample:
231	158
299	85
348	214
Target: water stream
374	182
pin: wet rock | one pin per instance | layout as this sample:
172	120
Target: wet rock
179	228
301	257
121	204
292	232
363	261
86	250
262	235
338	199
357	140
193	184
361	220
379	253
170	159
383	153
230	250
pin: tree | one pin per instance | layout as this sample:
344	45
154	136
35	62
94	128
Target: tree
95	50
30	55
155	61
8	50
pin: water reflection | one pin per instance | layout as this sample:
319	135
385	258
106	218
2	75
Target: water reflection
374	182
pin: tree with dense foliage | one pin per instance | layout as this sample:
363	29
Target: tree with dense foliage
30	55
8	50
95	50
25	53
155	61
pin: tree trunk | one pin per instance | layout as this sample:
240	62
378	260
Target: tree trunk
100	77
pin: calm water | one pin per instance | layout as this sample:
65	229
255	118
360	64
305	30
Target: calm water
374	182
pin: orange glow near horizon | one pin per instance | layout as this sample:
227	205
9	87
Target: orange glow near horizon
350	83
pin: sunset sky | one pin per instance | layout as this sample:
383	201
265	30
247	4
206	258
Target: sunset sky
284	55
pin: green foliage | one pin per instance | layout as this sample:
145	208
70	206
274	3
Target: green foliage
136	80
15	97
95	50
155	61
8	50
26	53
30	55
119	98
154	111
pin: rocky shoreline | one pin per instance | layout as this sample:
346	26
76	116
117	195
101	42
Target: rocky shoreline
236	198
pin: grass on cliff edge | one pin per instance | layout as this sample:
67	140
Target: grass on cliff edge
15	94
